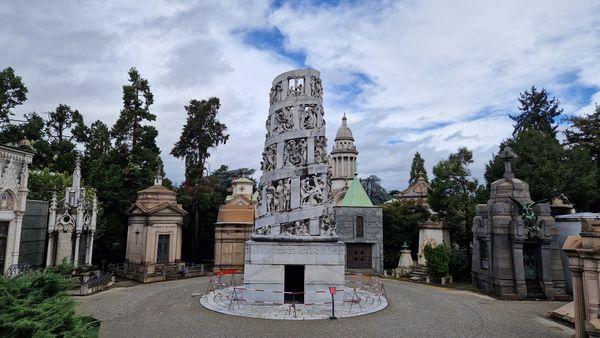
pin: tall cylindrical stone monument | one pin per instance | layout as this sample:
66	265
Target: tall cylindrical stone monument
294	247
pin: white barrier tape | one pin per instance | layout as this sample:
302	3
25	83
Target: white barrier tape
285	292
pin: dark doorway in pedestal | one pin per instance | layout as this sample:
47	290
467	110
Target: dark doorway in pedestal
294	282
532	264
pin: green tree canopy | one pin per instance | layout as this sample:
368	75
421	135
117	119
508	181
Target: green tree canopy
537	112
137	99
454	194
12	93
549	169
417	169
400	224
375	191
201	131
585	132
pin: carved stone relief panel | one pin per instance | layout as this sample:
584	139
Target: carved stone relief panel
321	149
316	87
269	161
327	225
295	152
312	190
297	228
278	195
275	93
284	120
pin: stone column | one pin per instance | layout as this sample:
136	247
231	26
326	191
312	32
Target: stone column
578	297
519	270
590	277
547	270
76	254
50	251
89	251
16	225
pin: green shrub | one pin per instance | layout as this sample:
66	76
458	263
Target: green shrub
34	304
459	263
437	260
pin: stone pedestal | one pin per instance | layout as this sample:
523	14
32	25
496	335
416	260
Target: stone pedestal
265	269
405	263
433	233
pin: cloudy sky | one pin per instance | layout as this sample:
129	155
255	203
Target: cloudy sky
427	76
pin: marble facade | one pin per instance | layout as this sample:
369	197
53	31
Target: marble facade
14	174
72	225
294	247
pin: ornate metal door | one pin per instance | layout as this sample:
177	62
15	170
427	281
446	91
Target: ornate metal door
359	256
530	261
162	255
3	240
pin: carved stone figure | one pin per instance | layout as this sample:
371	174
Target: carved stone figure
327	225
269	161
268	126
296	87
321	149
309	118
294	152
283	121
263	230
270	192
275	94
316	88
311	190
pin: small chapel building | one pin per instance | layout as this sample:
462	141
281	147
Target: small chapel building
235	224
359	223
154	235
14	174
72	224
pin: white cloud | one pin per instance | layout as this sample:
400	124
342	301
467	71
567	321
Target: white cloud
443	74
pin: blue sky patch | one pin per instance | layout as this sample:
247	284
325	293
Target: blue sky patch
272	39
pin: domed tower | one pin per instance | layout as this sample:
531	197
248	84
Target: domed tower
294	247
343	161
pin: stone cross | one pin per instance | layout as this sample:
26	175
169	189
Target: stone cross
508	155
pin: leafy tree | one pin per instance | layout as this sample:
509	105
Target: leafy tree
127	168
585	132
12	93
374	190
417	169
43	183
459	263
201	131
454	193
400	224
34	304
537	112
65	124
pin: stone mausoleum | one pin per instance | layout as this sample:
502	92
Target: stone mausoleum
154	235
294	247
515	249
72	225
235	224
14	174
359	224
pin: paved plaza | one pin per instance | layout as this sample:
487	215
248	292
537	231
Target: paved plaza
167	309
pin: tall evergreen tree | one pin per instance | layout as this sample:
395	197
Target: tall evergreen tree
64	128
417	169
374	190
537	112
585	132
12	93
201	131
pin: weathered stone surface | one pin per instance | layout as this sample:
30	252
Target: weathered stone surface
295	223
515	252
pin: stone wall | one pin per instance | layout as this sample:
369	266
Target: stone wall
345	218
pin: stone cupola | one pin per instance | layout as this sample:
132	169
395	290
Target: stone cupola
343	160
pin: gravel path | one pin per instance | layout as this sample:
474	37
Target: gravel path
167	309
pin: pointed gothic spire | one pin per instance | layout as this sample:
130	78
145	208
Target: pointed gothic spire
77	174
